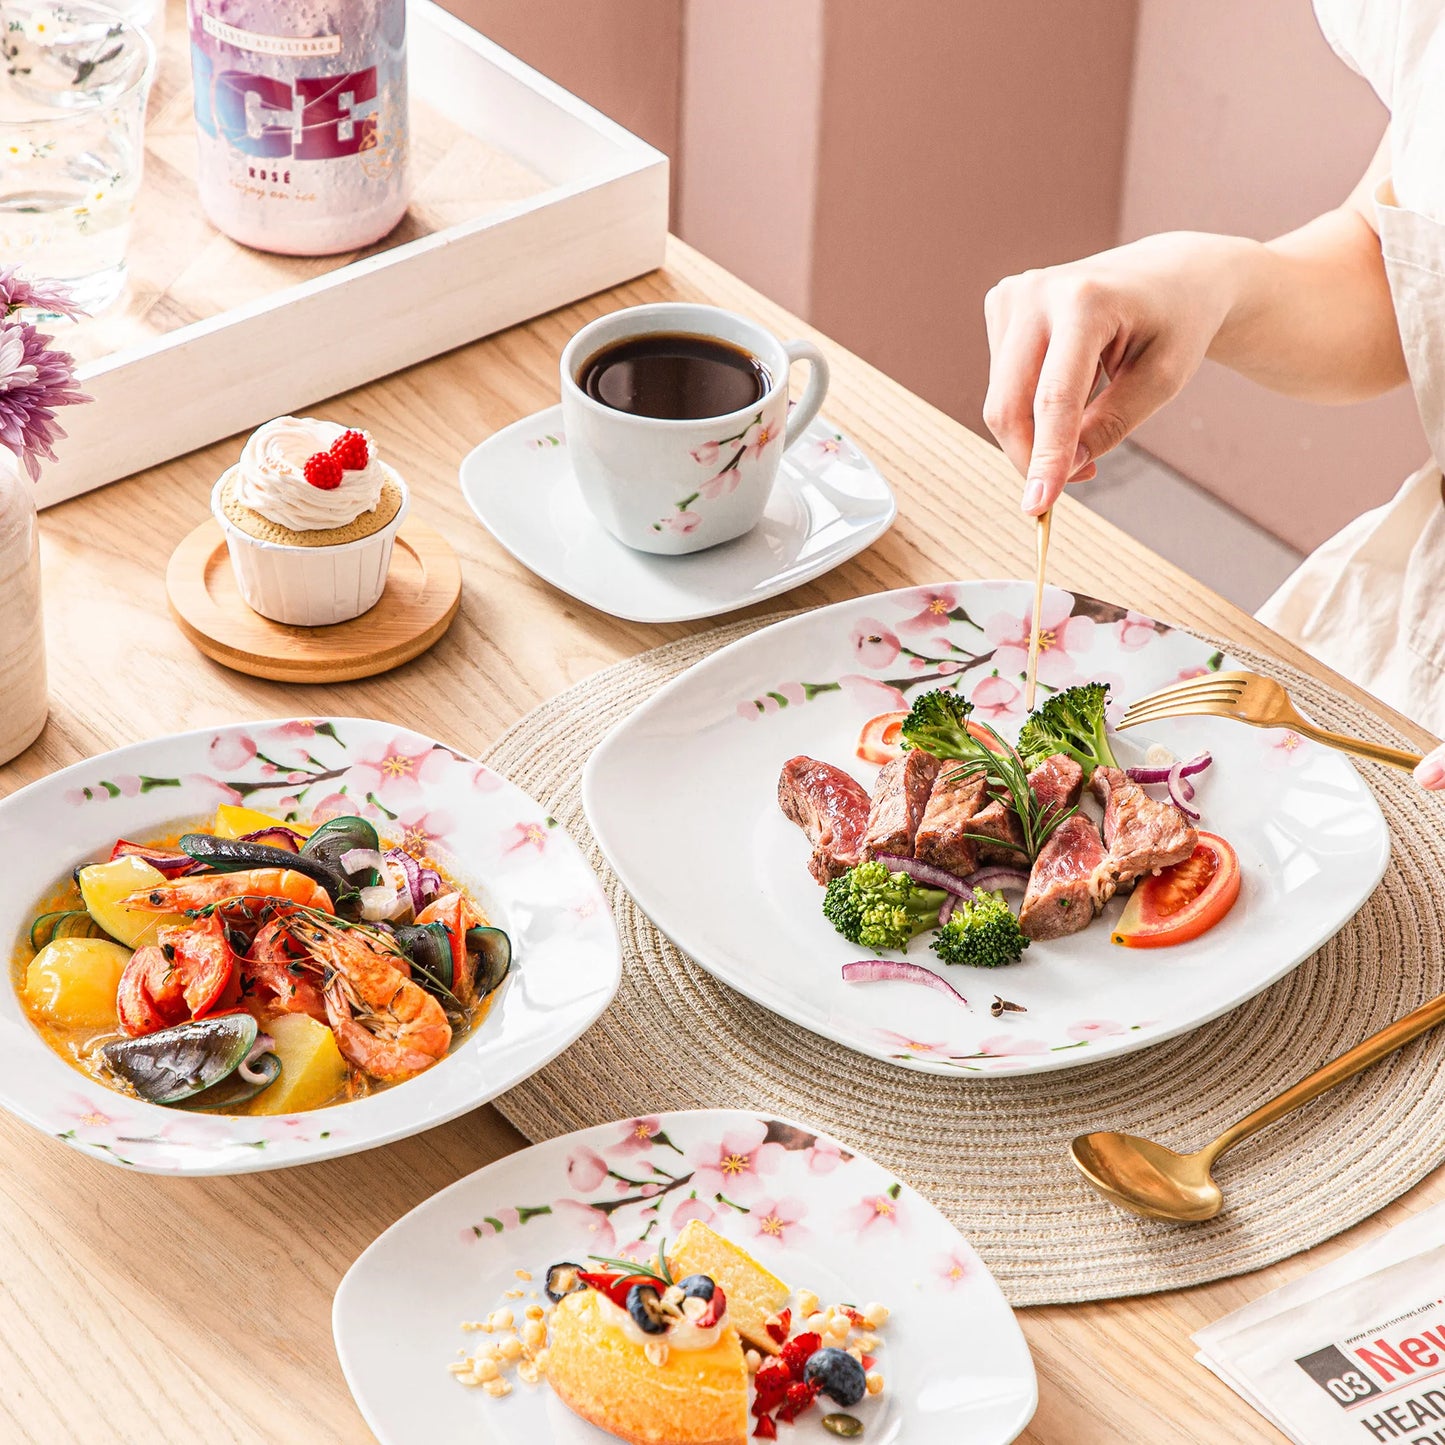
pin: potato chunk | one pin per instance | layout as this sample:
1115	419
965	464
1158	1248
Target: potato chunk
73	981
312	1069
104	885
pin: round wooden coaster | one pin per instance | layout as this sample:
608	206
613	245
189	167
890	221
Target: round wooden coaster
423	592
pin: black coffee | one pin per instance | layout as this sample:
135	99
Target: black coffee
674	375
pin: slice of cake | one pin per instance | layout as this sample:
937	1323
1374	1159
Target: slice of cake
755	1295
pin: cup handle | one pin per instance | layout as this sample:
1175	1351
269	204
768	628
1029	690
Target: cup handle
802	414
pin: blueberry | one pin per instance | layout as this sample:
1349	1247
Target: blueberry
562	1280
697	1286
837	1375
644	1304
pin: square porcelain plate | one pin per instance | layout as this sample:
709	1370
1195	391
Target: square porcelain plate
682	796
487	834
829	503
820	1215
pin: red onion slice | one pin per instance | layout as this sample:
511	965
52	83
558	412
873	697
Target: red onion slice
889	970
1016	879
276	836
946	912
412	869
354	860
1161	775
264	1044
431	884
926	874
1177	795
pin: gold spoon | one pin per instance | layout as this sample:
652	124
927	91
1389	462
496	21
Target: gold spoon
1151	1180
1031	681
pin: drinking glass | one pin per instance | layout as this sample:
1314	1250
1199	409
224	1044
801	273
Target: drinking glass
73	84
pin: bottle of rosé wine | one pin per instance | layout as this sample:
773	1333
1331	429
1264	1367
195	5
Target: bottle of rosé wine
302	121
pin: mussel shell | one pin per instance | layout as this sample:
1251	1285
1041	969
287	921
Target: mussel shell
493	950
234	1089
232	855
176	1063
429	948
338	836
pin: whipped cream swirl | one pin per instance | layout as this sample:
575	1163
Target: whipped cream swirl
271	476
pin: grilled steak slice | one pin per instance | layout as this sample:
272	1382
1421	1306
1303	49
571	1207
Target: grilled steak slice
1060	898
830	807
997	819
1058	783
956	800
899	797
1141	834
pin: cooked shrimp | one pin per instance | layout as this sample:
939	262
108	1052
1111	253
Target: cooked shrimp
204	889
280	973
388	1026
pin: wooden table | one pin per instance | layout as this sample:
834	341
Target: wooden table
142	1308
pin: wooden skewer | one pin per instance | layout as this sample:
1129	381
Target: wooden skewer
1043	540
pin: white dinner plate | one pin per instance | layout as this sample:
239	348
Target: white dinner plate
486	833
817	1213
829	503
682	797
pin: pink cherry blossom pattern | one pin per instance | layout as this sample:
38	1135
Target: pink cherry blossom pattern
586	1169
935	604
824	1157
1287	749
706	455
735	1167
996	698
92	1121
759	436
399	768
525	835
1135	631
1094	1029
590	1226
507	1218
683	523
777	1220
953	1269
876	1214
1002	1046
890	1039
691	1208
424	833
228	751
1185	674
1062	637
220	792
722	485
873	695
638	1134
333	805
874	645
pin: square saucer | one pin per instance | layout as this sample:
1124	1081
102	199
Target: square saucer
829	503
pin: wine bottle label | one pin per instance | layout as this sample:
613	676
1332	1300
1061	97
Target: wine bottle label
271	44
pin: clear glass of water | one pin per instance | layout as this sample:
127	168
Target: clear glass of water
73	84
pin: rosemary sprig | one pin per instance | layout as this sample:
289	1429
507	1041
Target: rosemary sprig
662	1274
1007	778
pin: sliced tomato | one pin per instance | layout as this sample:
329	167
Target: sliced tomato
615	1286
204	963
149	995
1181	902
882	738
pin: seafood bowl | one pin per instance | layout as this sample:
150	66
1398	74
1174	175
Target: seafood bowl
483	832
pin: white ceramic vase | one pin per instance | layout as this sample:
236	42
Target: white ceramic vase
24	700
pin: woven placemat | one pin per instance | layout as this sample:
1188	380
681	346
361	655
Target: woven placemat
993	1153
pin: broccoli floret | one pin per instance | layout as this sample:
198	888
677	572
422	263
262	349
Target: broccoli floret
938	724
982	933
870	906
1070	722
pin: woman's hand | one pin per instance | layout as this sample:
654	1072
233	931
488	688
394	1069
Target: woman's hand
1141	317
1430	770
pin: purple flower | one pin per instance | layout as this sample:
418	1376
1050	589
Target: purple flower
34	381
16	293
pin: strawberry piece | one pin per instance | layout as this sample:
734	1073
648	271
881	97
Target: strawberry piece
716	1309
778	1329
854	1316
765	1429
800	1397
770	1386
351	451
799	1350
868	1361
323	471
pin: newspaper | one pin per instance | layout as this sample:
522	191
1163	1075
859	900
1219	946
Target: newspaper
1351	1354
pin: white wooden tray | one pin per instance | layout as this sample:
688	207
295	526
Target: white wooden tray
582	206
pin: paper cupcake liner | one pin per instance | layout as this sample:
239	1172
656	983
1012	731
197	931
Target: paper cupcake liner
311	586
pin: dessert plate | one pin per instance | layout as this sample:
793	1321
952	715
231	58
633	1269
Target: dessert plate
487	834
682	797
817	1213
829	503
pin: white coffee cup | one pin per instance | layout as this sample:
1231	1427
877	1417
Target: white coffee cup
670	486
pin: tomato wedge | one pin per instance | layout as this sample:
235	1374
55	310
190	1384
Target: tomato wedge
1183	901
882	737
204	963
149	995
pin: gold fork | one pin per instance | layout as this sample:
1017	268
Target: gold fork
1261	702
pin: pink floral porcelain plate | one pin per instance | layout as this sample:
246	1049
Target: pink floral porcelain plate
489	835
682	797
818	1214
829	503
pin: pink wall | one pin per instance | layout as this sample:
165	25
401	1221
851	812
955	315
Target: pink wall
1243	120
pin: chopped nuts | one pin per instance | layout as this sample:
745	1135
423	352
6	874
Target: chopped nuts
807	1302
817	1322
876	1315
656	1352
855	1352
753	1360
511	1348
497	1388
514	1294
534	1335
874	1382
523	1274
838	1326
528	1371
485	1369
535	1312
867	1343
499	1320
460	1367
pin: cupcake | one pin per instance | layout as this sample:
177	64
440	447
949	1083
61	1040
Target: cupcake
309	514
